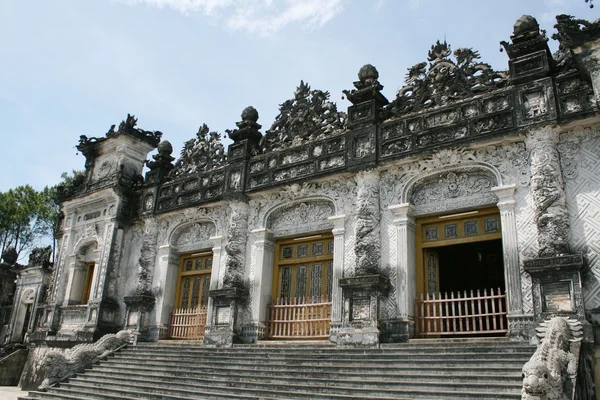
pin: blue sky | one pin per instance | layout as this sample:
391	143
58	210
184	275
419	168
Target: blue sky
72	67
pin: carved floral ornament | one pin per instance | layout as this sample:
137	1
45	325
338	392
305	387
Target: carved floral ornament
300	217
494	166
168	224
192	233
339	192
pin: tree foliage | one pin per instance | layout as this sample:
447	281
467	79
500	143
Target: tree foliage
28	217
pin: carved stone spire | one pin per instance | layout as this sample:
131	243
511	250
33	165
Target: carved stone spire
162	164
529	55
248	130
367	87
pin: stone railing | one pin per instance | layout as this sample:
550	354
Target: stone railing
58	365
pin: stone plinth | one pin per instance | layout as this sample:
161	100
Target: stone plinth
136	317
362	296
221	332
557	288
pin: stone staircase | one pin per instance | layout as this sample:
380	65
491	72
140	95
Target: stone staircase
421	370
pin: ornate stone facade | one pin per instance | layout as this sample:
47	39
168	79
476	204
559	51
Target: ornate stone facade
459	139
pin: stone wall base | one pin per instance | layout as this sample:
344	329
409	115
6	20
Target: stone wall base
356	337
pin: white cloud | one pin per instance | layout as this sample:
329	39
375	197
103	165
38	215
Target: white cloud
263	17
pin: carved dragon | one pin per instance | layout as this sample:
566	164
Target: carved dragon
59	365
551	371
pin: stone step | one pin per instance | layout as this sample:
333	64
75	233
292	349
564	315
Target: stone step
190	344
149	389
302	358
332	351
169	393
178	371
441	375
477	367
323	366
410	382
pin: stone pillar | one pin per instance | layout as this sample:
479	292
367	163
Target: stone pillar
519	324
548	193
555	273
339	231
165	276
403	258
214	275
512	273
224	329
262	285
364	290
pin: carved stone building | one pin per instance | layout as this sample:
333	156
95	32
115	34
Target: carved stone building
472	186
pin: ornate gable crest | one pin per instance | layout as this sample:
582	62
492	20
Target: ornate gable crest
203	153
308	116
446	80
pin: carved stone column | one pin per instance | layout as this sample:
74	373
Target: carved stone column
339	231
403	258
224	329
140	304
548	192
214	276
519	324
167	267
556	271
264	249
363	292
512	273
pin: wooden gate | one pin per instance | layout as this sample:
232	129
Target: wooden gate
188	323
301	318
463	314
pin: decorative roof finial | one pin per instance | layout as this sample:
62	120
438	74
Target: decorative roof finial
367	87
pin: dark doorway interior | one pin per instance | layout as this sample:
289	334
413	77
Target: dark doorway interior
471	266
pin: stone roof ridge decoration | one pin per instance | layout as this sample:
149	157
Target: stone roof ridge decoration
527	38
367	87
446	80
309	116
126	127
248	129
573	32
203	153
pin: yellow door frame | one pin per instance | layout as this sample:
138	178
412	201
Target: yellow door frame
467	227
294	261
188	264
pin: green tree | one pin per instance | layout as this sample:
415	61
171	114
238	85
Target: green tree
28	217
20	224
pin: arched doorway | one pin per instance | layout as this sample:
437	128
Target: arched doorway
23	316
190	279
303	271
460	275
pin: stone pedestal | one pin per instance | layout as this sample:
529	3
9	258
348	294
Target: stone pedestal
557	289
221	332
362	302
138	308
